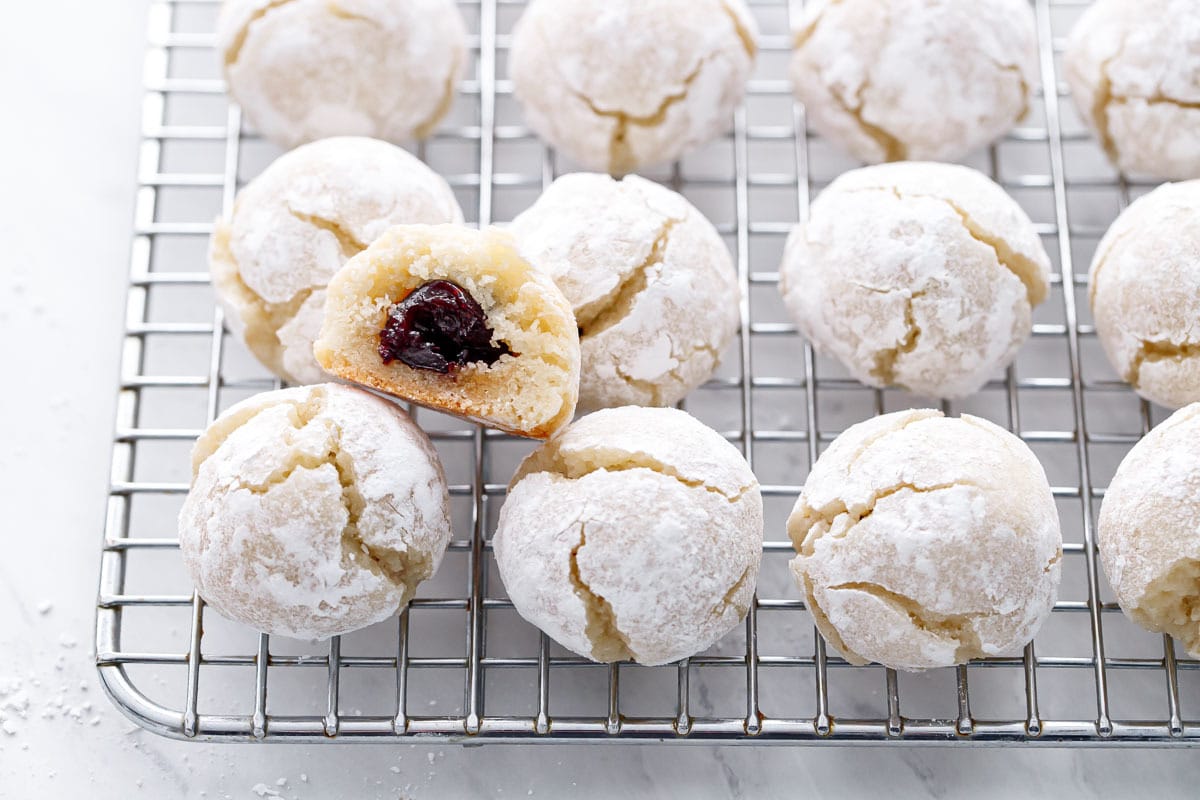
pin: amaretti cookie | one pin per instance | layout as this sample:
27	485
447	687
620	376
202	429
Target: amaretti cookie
653	288
636	533
621	84
309	69
296	223
890	80
917	275
925	541
1134	72
1144	287
1149	530
313	511
454	319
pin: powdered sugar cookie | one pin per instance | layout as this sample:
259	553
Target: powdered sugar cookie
313	511
926	541
890	80
634	534
620	84
1134	72
653	288
1149	530
308	69
1144	287
917	275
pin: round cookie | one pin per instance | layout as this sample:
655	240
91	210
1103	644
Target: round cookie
313	511
295	224
925	541
1134	72
1149	530
889	80
1144	288
304	70
653	288
454	319
622	84
634	534
917	275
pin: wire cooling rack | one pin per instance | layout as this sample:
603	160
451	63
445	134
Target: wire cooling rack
459	664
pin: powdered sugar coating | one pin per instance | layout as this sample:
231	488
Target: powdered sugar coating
313	511
925	541
890	80
1134	72
1144	288
621	84
636	533
304	70
918	275
651	283
295	225
1149	529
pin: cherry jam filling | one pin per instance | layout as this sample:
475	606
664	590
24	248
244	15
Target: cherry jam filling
438	327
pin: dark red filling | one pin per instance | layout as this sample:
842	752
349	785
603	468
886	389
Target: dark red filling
438	327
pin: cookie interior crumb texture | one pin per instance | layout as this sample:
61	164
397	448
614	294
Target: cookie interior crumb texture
530	391
1149	530
313	511
890	80
304	70
654	291
924	541
622	84
1134	73
1144	289
634	534
918	275
296	223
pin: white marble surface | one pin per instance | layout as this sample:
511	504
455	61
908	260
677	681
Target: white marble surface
69	77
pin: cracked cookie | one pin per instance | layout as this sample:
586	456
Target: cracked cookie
1144	289
889	80
634	534
653	288
304	70
917	275
1149	530
622	84
295	224
1134	72
924	541
313	511
454	319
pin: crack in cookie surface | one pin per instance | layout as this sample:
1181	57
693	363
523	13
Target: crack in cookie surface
603	634
1153	351
234	51
957	628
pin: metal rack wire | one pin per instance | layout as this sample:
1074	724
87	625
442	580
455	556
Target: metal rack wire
1090	677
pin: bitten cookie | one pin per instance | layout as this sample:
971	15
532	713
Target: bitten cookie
313	511
890	80
926	541
295	224
308	69
1144	287
635	534
621	84
1134	72
654	291
454	319
917	275
1149	530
